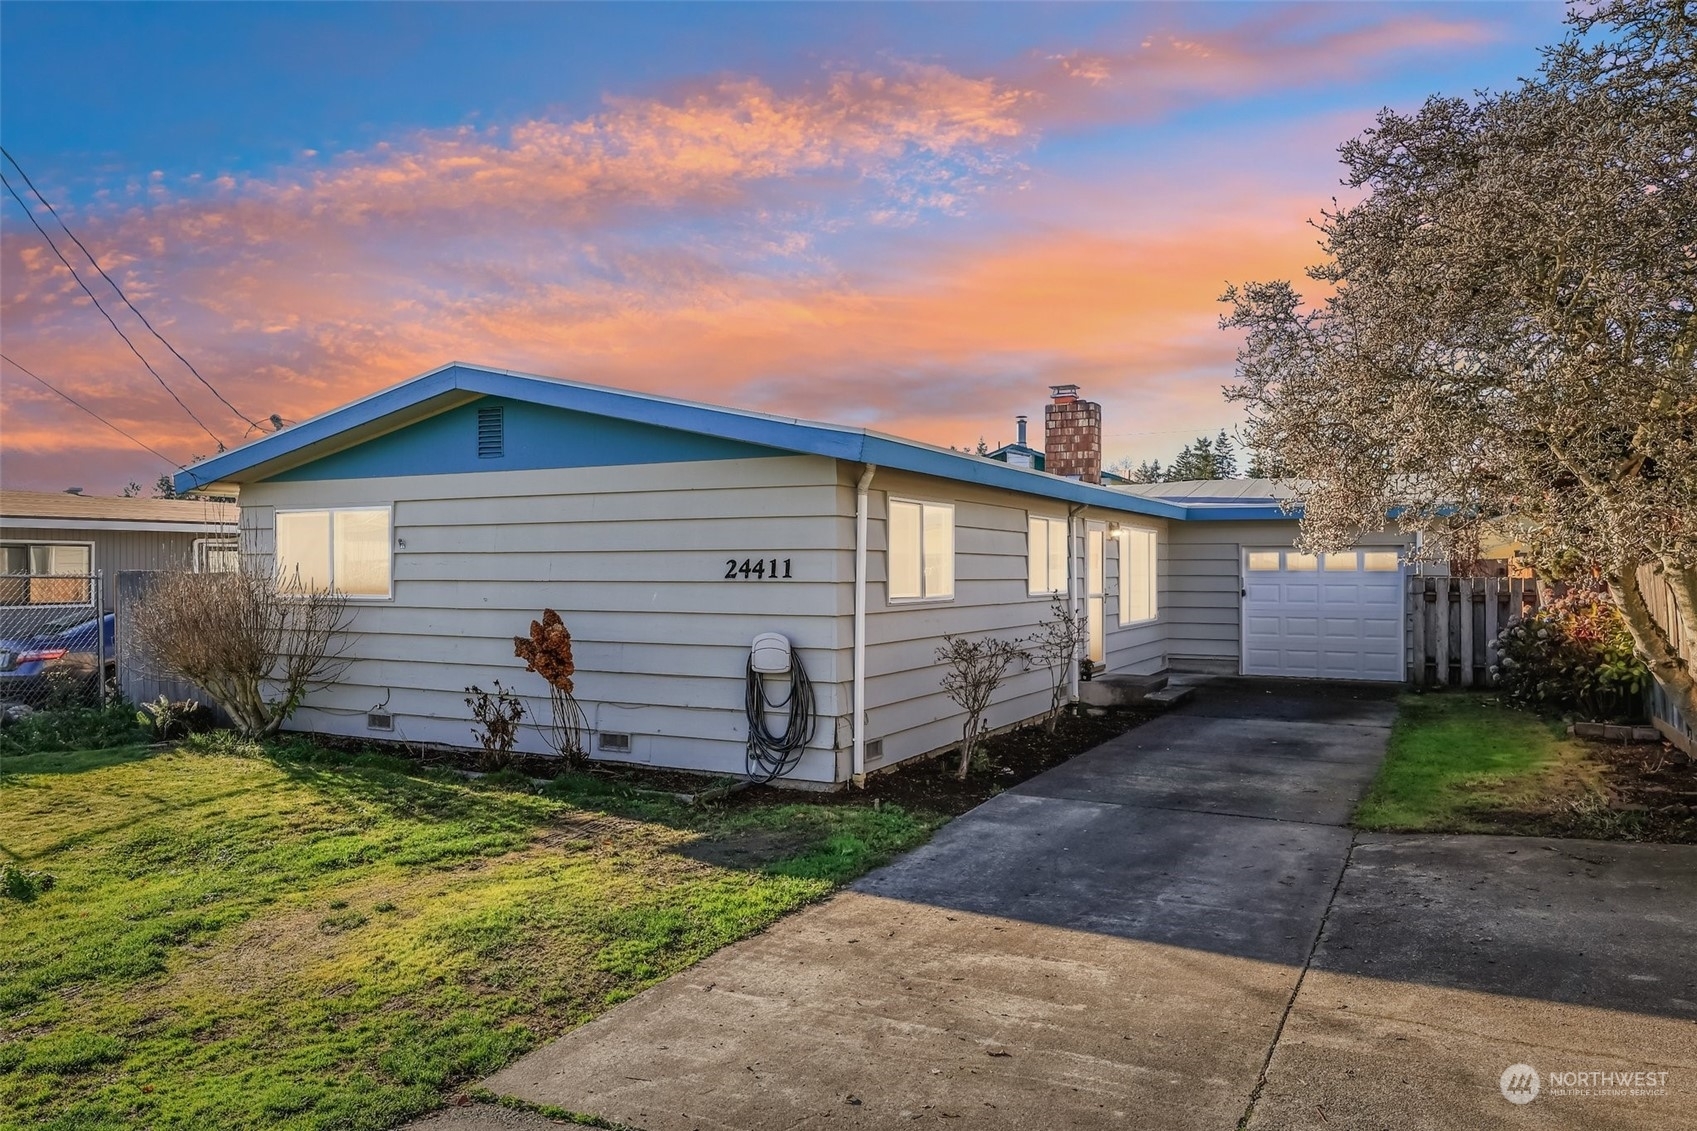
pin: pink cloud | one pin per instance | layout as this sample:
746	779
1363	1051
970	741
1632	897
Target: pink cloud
728	242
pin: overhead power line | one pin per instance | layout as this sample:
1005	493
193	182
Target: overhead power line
90	411
172	392
120	293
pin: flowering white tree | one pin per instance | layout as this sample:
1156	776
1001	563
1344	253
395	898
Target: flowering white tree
1508	328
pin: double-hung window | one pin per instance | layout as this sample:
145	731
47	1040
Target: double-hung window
1045	555
46	573
921	551
345	549
1137	575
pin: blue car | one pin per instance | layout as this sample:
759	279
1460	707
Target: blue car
67	648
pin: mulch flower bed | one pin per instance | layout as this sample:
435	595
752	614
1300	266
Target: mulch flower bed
1004	760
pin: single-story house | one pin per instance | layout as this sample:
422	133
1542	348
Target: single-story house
54	544
454	507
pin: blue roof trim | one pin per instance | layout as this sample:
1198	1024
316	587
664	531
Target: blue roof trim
272	454
1244	512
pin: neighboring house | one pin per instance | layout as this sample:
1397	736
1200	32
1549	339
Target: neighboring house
454	507
53	543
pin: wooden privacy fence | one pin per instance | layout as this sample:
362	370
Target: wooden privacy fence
1454	622
1658	594
138	680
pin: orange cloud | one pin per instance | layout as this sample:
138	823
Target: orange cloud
797	251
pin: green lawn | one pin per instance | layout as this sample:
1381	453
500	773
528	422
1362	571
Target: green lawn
295	939
1457	757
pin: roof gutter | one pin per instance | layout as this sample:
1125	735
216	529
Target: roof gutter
858	763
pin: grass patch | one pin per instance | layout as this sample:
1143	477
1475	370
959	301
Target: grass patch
289	937
1456	758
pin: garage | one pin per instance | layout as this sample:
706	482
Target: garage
1324	616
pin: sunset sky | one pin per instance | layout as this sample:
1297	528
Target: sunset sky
908	218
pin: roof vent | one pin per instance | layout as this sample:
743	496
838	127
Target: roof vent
491	433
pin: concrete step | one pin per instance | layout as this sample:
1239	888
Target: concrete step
1119	690
1170	696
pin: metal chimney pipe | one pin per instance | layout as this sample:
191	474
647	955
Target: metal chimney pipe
1021	421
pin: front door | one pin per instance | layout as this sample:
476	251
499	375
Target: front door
1095	570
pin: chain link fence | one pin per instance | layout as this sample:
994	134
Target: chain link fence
57	642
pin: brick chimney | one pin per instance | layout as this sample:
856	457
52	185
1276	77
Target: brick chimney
1072	435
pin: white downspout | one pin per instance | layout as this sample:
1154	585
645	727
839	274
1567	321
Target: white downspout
1075	586
859	757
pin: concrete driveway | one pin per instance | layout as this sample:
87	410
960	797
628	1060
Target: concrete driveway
1162	934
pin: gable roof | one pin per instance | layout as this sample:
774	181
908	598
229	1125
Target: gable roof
458	383
60	508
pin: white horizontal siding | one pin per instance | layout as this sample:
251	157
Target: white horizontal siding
906	707
633	558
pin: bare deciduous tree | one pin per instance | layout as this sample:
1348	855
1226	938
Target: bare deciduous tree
1508	340
1055	646
255	643
975	669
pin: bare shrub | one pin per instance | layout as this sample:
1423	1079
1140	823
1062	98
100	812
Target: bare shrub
975	669
256	643
547	651
498	714
1055	646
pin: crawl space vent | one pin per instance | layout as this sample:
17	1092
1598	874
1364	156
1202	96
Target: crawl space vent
611	742
491	434
379	720
874	752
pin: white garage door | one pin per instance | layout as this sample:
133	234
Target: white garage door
1325	616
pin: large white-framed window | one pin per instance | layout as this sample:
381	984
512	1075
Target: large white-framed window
217	555
46	573
1138	575
1045	555
343	548
921	553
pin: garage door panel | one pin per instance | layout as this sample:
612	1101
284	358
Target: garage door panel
1331	624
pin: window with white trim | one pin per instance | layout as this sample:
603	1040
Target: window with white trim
217	555
1138	581
345	549
1045	556
921	553
46	573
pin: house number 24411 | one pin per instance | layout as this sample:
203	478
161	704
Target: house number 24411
757	569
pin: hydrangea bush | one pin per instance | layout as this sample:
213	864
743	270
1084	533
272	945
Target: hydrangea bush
1573	654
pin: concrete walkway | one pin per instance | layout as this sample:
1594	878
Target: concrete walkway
1134	938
